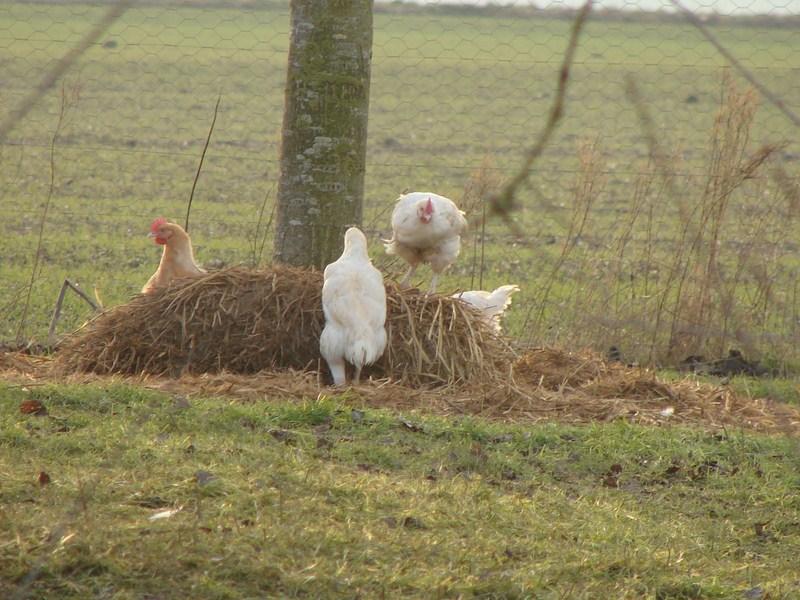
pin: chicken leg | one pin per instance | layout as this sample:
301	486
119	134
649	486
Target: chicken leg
337	368
357	375
434	282
406	281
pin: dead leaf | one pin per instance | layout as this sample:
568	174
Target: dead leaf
33	407
611	478
43	478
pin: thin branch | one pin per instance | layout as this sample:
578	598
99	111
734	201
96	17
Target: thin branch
51	333
37	257
64	63
502	203
200	166
746	73
258	234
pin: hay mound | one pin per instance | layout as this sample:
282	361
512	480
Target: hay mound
244	321
582	387
552	369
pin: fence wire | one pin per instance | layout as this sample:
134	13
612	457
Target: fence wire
458	93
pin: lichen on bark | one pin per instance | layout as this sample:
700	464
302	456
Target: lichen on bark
324	135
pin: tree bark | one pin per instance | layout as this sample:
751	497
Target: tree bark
324	138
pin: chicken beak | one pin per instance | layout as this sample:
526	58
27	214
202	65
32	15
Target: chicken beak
152	234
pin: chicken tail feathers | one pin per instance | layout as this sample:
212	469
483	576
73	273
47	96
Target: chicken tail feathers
501	297
364	351
500	300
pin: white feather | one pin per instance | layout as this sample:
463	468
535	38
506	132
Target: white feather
354	303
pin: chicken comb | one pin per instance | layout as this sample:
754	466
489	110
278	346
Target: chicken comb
157	223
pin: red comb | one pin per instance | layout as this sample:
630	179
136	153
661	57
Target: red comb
429	206
157	223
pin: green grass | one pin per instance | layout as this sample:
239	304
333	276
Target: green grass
447	91
321	499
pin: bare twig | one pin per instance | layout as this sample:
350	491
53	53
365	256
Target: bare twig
51	334
200	166
502	203
43	219
64	63
746	73
258	234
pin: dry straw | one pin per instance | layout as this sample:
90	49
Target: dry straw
254	335
544	385
244	321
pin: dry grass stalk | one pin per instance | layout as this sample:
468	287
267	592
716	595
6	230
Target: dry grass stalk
244	321
695	263
484	182
589	185
69	98
200	164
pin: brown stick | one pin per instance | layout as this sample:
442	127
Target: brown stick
200	166
779	104
64	63
51	333
502	203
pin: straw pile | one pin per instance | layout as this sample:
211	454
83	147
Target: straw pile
583	387
244	321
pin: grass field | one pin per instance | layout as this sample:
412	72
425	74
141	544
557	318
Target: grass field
152	496
449	93
122	492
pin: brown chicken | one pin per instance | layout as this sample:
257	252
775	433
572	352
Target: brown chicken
177	260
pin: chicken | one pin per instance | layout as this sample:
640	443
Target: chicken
491	304
177	260
354	303
426	228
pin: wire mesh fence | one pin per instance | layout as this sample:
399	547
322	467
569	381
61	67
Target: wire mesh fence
646	221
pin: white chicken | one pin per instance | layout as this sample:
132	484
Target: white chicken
426	228
354	303
492	305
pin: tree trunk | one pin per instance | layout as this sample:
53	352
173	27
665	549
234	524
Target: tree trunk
323	150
